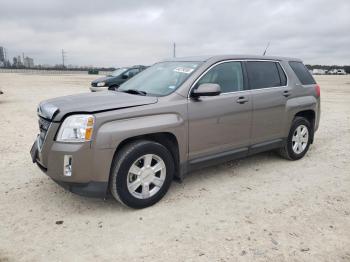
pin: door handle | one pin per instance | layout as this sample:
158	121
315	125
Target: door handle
242	100
286	93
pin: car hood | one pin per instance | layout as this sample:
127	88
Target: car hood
103	79
55	109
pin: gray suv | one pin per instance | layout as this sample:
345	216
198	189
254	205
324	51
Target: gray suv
174	117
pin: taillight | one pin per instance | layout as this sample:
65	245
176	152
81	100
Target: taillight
318	90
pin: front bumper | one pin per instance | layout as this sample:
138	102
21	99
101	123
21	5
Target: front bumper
85	180
91	189
98	88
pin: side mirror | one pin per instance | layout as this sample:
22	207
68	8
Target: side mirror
208	89
113	88
125	76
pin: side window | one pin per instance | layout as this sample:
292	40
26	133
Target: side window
228	75
263	74
283	76
302	73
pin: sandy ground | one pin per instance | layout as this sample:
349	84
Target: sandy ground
262	208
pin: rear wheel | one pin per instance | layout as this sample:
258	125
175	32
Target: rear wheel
141	174
298	141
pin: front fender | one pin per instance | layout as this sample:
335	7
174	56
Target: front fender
112	133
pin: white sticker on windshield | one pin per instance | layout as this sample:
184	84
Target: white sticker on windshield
184	70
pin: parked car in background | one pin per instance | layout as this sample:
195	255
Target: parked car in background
336	71
1	92
176	116
319	72
116	78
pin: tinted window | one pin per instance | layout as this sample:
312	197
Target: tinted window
263	74
283	76
302	73
228	75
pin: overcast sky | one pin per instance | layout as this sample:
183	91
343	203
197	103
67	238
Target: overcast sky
118	33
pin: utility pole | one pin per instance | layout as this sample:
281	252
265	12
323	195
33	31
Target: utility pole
174	50
63	57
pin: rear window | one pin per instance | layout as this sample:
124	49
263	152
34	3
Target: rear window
264	74
302	73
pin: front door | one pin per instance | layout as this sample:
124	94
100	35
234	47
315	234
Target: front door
220	123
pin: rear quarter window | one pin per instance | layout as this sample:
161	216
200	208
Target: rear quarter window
302	73
283	76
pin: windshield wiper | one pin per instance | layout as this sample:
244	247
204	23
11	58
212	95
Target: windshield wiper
134	91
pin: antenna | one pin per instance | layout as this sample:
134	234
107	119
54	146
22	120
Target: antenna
268	44
174	50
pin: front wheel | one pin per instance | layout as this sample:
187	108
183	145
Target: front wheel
298	141
141	174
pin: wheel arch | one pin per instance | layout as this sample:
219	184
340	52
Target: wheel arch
167	139
310	115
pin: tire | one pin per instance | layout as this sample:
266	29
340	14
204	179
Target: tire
124	180
290	150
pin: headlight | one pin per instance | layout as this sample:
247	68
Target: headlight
76	128
101	84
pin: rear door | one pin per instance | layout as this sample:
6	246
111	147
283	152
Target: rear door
269	91
220	123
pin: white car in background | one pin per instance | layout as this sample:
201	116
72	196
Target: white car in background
337	72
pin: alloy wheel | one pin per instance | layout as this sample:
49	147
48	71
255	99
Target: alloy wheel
146	176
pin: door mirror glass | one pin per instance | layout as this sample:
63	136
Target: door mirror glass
207	89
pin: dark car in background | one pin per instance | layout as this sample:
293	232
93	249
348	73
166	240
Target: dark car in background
116	78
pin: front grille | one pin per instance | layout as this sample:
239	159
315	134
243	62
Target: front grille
43	128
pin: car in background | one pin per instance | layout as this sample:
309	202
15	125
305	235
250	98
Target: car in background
1	92
116	78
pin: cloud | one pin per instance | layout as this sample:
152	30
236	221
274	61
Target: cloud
117	33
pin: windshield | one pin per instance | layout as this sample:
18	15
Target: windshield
161	79
118	72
